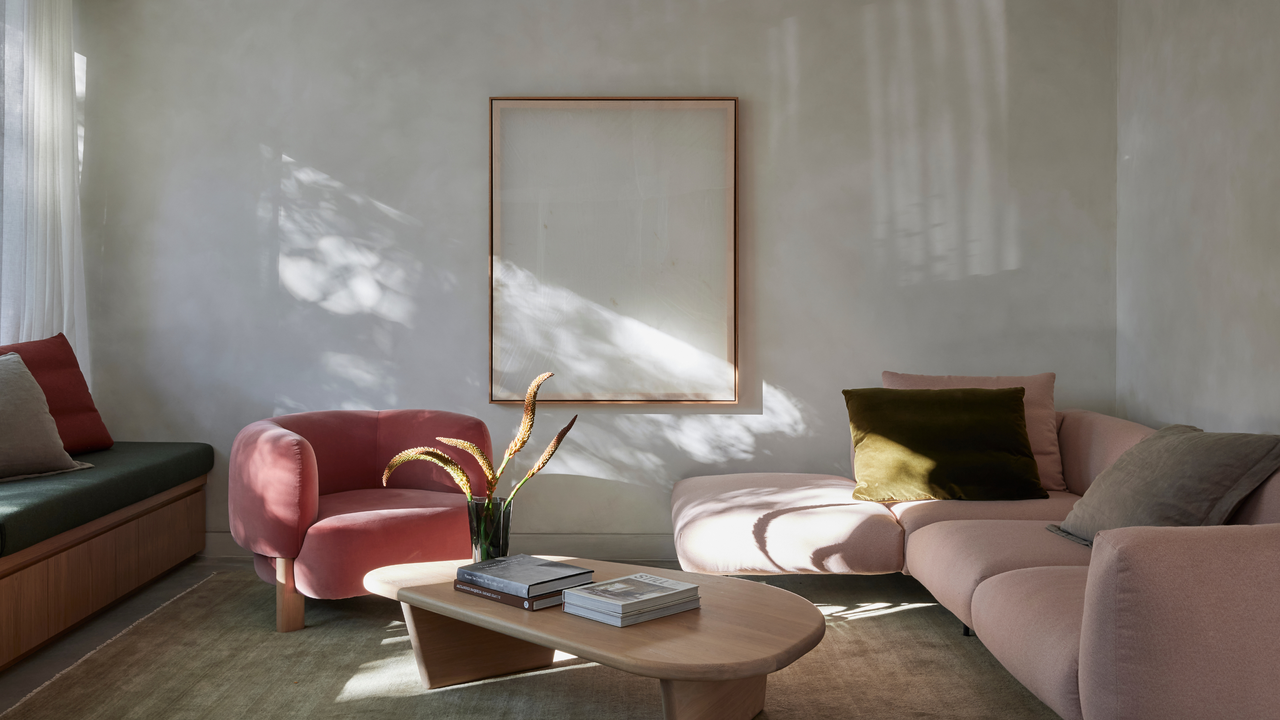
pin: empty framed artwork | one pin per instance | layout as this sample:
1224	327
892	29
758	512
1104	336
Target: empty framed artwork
613	249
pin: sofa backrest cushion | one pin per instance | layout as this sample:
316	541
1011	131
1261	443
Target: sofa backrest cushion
1261	507
53	364
1042	420
1090	442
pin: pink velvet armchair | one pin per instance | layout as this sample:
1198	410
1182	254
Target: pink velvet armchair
306	497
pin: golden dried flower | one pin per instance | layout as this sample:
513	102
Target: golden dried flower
526	424
551	449
480	457
542	462
434	455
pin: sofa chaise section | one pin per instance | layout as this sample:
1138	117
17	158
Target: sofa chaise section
781	523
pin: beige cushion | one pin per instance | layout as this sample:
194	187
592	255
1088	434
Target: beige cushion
1042	419
951	559
29	441
781	523
1030	621
915	515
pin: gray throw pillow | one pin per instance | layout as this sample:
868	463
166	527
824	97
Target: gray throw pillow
1181	475
29	440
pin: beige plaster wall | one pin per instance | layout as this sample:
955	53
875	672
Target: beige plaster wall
1198	238
285	208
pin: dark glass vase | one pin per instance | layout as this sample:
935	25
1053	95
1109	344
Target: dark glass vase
490	528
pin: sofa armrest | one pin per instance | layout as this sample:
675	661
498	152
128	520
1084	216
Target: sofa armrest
1182	622
274	489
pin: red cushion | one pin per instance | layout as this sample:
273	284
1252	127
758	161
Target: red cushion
53	364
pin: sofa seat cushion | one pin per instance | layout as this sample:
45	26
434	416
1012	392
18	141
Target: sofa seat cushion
1030	620
36	509
359	530
952	558
780	523
918	514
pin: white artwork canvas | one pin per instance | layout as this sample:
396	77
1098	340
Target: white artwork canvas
613	249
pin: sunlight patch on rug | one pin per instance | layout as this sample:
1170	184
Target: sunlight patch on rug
397	676
840	613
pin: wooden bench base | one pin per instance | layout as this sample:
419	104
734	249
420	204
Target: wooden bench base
53	585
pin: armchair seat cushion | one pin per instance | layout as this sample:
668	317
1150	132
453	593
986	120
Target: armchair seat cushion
951	559
359	530
775	523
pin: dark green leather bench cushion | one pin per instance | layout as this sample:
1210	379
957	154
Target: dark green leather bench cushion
39	508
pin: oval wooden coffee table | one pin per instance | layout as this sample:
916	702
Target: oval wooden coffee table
712	662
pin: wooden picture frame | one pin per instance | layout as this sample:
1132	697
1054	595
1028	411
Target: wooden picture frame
613	249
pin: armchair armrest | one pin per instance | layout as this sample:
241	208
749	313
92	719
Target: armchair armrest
273	491
1182	622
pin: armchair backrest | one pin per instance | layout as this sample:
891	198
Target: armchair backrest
353	447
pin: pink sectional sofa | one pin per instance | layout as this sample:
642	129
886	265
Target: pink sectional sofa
1152	622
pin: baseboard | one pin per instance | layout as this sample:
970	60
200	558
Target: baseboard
603	546
219	543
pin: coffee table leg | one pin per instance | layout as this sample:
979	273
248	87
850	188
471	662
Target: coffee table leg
714	700
450	651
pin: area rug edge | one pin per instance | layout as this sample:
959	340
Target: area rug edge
94	651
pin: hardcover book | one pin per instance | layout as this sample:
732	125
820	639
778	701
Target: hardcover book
523	575
629	594
537	602
632	618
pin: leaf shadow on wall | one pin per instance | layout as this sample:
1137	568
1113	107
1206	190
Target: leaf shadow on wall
347	287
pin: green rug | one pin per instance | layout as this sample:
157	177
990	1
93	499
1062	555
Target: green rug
213	652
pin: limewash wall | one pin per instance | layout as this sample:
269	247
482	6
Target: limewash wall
285	209
1198	252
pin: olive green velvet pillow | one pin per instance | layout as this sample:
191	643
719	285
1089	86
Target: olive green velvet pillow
959	444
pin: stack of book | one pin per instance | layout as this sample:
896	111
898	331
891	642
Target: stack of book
521	581
631	599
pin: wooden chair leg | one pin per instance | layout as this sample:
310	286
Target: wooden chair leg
290	604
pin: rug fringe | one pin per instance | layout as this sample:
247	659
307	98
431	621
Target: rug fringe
90	654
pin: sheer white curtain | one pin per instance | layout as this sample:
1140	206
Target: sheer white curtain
41	257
